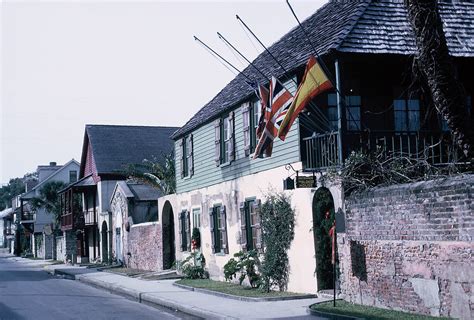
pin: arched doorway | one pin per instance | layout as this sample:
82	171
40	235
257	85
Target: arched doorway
105	243
167	225
323	218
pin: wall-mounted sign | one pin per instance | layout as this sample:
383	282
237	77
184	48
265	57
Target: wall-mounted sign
306	182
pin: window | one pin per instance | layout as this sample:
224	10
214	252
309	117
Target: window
72	176
251	232
187	156
218	224
352	106
332	111
185	231
196	218
251	112
406	114
224	139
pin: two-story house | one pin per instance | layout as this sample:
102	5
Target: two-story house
38	223
367	48
107	153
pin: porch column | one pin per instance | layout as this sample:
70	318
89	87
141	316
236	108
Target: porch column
340	110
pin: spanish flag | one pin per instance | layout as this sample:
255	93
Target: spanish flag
314	82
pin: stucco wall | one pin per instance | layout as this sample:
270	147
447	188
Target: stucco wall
410	247
231	194
143	248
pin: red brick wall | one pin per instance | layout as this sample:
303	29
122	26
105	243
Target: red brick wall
144	244
410	247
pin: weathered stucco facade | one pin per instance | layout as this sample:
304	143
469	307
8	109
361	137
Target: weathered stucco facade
410	247
230	194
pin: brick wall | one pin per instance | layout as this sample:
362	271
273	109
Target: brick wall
143	247
410	247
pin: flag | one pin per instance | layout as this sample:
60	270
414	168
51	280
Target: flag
280	100
314	82
264	94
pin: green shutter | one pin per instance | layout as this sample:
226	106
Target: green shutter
231	151
246	127
257	204
181	244
213	231
217	141
223	230
188	230
182	146
243	227
191	155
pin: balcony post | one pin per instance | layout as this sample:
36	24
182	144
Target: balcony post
339	112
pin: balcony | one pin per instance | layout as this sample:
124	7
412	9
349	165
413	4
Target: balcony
27	217
90	217
435	148
67	221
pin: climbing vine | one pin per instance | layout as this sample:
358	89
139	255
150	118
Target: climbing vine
278	230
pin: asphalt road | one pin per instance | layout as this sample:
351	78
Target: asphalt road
31	293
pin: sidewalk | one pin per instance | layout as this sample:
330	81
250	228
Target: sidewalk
164	294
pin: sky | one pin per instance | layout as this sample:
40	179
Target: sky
65	64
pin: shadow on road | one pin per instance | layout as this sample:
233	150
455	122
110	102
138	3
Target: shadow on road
25	275
8	314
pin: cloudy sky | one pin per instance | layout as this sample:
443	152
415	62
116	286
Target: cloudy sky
65	64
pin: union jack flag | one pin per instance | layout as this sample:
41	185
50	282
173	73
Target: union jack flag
280	101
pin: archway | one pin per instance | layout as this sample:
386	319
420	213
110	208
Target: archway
105	243
167	229
323	218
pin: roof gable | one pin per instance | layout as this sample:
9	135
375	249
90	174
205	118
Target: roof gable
114	147
376	27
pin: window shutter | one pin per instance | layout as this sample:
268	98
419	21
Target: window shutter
243	227
181	159
213	231
231	150
191	155
246	128
223	230
182	245
188	230
217	141
256	206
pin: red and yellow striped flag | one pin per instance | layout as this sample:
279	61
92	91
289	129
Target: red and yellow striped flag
314	82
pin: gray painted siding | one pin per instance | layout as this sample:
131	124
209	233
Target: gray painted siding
206	173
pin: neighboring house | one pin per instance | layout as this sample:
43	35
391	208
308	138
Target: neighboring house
134	210
38	223
368	47
6	230
107	152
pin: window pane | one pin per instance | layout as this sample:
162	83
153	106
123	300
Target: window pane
197	218
353	118
414	120
354	101
332	99
399	105
226	128
256	112
413	105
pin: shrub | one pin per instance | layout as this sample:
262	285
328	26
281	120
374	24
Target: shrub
193	266
246	266
278	226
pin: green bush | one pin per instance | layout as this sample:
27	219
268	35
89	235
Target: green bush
246	266
193	266
278	226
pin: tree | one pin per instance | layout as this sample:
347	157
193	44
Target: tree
154	173
436	66
14	187
49	199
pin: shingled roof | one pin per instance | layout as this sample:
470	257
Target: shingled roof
375	27
115	146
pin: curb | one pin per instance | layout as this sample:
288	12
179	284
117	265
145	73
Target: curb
141	297
249	299
331	316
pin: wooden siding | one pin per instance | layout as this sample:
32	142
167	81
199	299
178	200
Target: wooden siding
206	173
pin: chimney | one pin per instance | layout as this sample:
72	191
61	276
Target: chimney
52	164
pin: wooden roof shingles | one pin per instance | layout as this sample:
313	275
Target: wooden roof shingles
114	147
375	27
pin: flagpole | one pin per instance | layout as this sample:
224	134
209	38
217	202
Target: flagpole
223	59
322	115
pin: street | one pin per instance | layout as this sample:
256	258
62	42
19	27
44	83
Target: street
29	292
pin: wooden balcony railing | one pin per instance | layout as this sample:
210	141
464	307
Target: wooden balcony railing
435	148
27	216
66	221
90	217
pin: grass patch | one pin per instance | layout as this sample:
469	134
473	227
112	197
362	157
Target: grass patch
368	313
233	289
